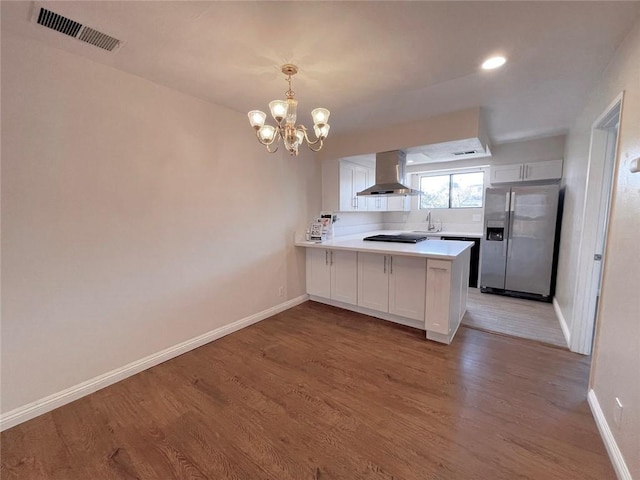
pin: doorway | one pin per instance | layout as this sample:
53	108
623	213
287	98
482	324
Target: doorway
595	222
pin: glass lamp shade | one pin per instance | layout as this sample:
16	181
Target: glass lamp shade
279	109
321	132
300	136
256	118
267	132
320	116
292	111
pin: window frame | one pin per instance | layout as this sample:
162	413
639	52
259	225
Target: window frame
450	174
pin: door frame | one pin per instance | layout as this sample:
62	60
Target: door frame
598	192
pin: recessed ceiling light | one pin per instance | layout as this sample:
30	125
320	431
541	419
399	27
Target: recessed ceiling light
493	62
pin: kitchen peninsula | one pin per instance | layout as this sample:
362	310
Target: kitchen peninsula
422	285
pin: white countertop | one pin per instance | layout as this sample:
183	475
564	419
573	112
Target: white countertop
443	249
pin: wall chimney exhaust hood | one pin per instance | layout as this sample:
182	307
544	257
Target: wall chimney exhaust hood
390	176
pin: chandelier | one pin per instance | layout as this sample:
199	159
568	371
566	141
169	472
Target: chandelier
284	112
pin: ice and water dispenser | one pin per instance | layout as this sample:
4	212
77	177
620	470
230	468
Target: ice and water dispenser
495	231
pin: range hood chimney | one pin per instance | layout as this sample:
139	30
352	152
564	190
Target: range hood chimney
390	168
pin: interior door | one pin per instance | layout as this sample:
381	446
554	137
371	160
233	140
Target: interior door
533	212
603	220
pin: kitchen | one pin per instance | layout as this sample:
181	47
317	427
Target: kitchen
141	219
357	193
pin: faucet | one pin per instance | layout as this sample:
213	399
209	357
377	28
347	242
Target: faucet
430	226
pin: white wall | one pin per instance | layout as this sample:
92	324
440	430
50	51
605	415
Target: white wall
134	217
616	357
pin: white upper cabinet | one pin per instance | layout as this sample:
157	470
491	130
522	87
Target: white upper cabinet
527	172
398	204
353	179
377	204
551	170
506	173
342	180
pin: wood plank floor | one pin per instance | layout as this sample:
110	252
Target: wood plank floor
513	316
318	392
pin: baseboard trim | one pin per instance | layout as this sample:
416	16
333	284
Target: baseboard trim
389	317
563	322
51	402
615	455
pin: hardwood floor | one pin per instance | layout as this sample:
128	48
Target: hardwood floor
317	392
513	316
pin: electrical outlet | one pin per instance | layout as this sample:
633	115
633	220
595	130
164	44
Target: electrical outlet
281	291
617	412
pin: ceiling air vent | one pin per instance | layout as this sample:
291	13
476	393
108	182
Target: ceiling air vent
49	19
98	39
74	29
469	152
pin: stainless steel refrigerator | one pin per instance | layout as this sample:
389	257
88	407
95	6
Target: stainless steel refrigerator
517	248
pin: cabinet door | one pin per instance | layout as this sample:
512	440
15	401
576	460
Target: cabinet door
347	195
407	278
438	298
360	182
399	203
318	272
377	204
543	170
507	173
373	281
344	276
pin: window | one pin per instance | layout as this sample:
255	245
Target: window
455	190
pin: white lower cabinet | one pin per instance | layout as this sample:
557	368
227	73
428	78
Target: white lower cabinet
399	288
373	281
438	296
333	274
392	283
446	302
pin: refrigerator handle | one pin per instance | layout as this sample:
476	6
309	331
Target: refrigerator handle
520	173
511	220
508	200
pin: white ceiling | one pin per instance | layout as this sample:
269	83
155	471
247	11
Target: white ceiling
370	63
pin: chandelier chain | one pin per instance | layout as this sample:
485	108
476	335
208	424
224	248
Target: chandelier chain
289	93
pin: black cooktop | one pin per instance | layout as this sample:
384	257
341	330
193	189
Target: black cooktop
398	238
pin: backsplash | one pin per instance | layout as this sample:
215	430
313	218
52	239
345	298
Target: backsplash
356	222
461	220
